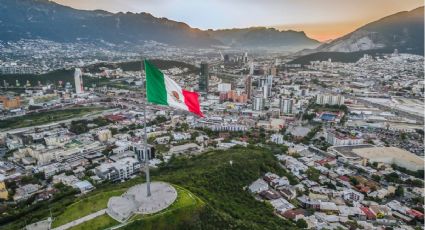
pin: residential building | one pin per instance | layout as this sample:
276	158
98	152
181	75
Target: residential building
286	106
339	139
4	194
120	170
258	103
324	99
258	186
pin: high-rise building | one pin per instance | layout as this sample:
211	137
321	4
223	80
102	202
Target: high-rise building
248	86
226	58
266	90
203	78
286	106
273	71
245	57
258	103
324	99
251	68
78	81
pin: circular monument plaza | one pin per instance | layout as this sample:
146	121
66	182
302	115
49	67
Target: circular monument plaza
136	201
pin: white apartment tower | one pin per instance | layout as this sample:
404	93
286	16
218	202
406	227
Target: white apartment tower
323	99
78	80
258	104
286	106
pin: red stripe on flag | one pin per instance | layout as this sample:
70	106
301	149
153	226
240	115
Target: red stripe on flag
192	102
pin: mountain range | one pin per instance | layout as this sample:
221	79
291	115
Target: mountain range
403	31
262	37
44	19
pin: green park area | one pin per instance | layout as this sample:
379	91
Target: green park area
101	222
211	195
47	117
185	203
86	206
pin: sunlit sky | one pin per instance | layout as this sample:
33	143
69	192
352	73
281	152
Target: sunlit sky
320	19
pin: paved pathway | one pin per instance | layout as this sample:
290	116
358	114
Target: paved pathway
81	220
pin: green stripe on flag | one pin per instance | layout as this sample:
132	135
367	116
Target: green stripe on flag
155	85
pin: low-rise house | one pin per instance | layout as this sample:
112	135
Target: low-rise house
380	193
181	136
329	219
95	158
162	140
64	179
419	191
309	183
369	214
355	212
320	197
416	214
4	194
306	202
351	195
191	148
269	195
279	182
281	205
52	169
269	177
277	138
294	214
258	186
83	186
328	207
26	191
288	192
380	211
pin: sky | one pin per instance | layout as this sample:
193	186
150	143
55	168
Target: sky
320	19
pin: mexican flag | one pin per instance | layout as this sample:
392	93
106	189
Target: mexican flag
162	90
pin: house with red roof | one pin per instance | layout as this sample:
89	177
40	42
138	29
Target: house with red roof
369	214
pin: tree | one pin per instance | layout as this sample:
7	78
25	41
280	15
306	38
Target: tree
376	178
301	223
313	174
399	191
114	131
354	181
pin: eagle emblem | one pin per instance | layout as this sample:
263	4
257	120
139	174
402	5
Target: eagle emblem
176	96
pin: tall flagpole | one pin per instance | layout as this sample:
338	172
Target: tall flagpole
145	151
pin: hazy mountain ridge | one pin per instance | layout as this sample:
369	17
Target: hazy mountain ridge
403	31
35	19
255	37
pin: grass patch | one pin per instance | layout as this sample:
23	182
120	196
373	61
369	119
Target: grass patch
185	203
180	211
47	117
184	199
100	222
85	207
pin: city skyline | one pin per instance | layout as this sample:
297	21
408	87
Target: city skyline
322	20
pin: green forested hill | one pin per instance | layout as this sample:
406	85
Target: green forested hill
218	185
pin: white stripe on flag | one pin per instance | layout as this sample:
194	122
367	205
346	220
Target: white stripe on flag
175	96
